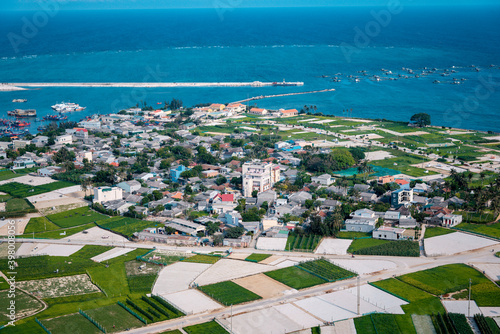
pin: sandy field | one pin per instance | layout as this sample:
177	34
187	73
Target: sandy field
490	311
237	256
262	285
226	269
219	134
30	249
373	136
71	196
177	277
377	155
492	270
59	286
30	180
270	259
333	246
192	301
19	222
112	253
340	327
96	233
364	267
9	88
265	243
461	306
454	243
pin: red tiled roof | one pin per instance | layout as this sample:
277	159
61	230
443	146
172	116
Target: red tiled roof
226	197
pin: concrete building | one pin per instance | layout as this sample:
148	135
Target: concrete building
325	179
129	186
105	194
185	226
23	162
401	197
175	172
360	225
451	220
389	233
64	139
259	176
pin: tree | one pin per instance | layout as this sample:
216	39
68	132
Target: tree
220	180
164	164
255	193
63	155
265	205
234	232
218	239
237	181
421	119
212	227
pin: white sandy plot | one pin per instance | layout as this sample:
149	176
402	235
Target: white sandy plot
490	311
377	155
192	301
340	327
97	234
379	298
111	254
323	121
177	277
461	307
363	267
325	310
227	269
265	321
333	246
30	180
55	194
306	120
248	128
299	316
454	243
265	243
31	249
26	249
490	269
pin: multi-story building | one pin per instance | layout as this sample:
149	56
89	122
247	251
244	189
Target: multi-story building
401	197
106	194
259	176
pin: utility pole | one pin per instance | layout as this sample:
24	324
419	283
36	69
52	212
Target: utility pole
468	307
359	296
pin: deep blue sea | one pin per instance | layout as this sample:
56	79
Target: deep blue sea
312	45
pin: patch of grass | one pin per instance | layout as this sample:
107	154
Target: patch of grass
392	248
16	204
56	234
401	289
21	190
210	327
175	331
359	244
256	257
424	306
200	258
89	251
327	270
141	283
24	304
364	325
40	224
7	174
353	235
444	279
476	217
436	231
492	230
114	315
485	294
126	226
295	278
73	323
76	217
405	323
385	323
30	327
229	293
3	284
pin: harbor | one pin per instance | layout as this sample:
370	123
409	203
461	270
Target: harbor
287	94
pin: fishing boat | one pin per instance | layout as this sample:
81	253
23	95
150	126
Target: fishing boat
54	118
67	107
20	113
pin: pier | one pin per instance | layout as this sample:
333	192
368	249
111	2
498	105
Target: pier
153	84
287	94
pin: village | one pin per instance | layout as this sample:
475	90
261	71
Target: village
275	188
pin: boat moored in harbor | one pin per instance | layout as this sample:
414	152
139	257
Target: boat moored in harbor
19	113
67	107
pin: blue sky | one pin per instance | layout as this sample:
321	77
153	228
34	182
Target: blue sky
138	4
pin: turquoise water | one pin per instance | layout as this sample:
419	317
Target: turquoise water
300	44
379	171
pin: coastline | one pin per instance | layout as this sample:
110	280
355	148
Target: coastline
10	88
18	86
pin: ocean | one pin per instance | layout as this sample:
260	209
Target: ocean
312	45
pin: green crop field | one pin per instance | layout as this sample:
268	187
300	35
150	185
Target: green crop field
21	190
302	242
141	283
114	315
76	217
3	284
386	323
16	204
353	235
436	231
40	224
24	303
401	289
327	270
485	294
391	248
460	323
56	234
7	174
210	327
229	293
126	226
257	257
73	323
492	230
359	244
364	325
199	258
444	279
477	218
295	277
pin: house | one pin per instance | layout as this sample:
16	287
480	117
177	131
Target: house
451	220
266	196
104	194
259	177
40	141
233	218
50	170
368	197
23	162
222	203
288	113
421	188
360	225
300	197
363	214
281	145
389	233
325	179
129	186
209	173
403	184
401	197
243	241
187	126
64	139
258	111
385	179
185	226
175	172
19	143
119	206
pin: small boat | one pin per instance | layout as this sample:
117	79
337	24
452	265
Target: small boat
54	117
20	124
436	81
158	103
19	100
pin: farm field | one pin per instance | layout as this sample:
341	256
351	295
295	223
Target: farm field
21	190
391	248
125	225
262	285
114	318
25	304
477	218
327	270
352	235
492	230
59	286
229	293
141	283
295	278
227	269
402	289
74	323
40	224
436	231
333	246
200	258
359	244
302	242
75	217
454	243
192	301
206	328
60	233
257	257
177	277
3	284
17	205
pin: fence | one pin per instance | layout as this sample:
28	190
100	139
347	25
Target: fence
41	325
92	321
133	313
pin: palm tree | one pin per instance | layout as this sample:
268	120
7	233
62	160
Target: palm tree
482	175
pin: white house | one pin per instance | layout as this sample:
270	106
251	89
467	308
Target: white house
389	233
325	179
64	139
360	225
451	220
23	162
105	194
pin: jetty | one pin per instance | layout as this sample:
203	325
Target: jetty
153	84
260	97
